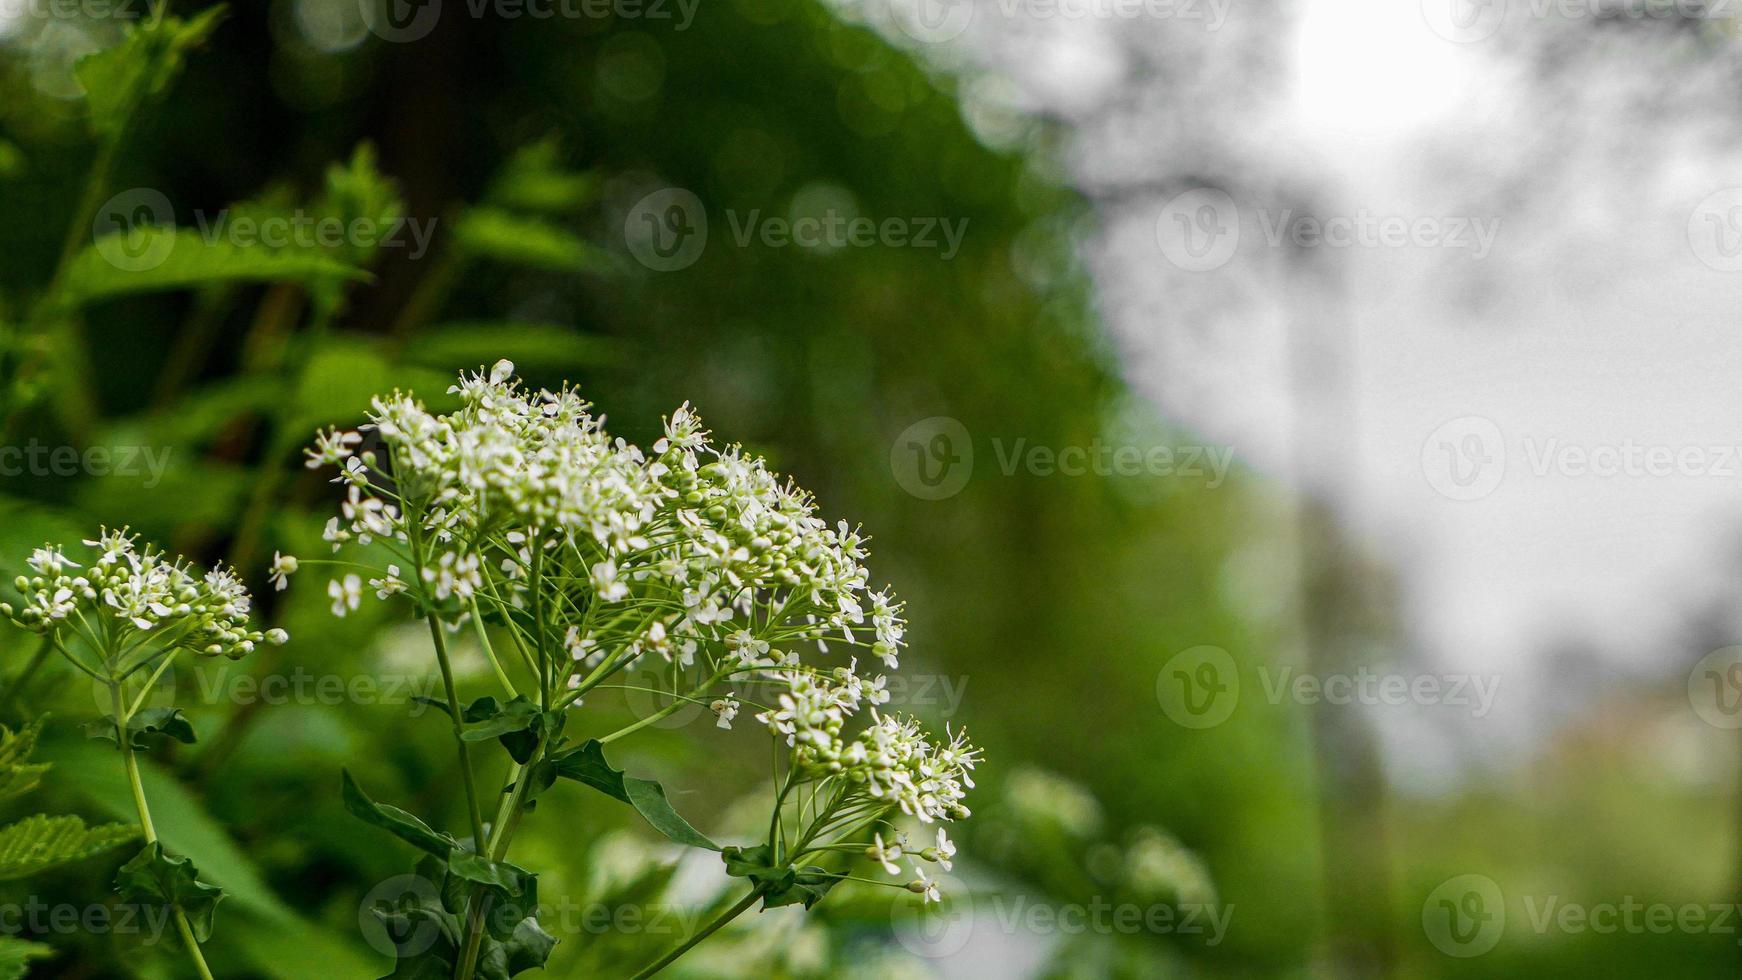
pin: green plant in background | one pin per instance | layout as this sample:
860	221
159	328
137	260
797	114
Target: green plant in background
120	619
589	557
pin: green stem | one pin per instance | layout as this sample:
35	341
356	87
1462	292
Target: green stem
706	931
501	833
441	649
131	763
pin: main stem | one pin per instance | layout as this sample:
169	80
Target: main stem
150	830
501	832
441	649
706	931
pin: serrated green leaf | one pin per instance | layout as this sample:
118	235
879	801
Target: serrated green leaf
508	878
394	820
519	240
18	775
152	877
40	842
586	763
150	258
16	954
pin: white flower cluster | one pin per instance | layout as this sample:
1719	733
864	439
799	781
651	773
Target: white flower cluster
692	551
127	589
891	759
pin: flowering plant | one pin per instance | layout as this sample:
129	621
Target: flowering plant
120	617
575	558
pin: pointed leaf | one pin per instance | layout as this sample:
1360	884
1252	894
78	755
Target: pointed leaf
586	764
394	820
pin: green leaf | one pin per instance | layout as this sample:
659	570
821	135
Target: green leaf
586	763
536	180
809	886
142	726
394	820
518	240
497	874
430	924
16	954
40	842
151	258
18	775
519	725
782	885
117	80
155	878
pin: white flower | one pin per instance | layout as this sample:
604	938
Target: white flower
727	709
746	647
924	886
388	585
283	567
605	582
944	853
884	854
346	595
331	447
